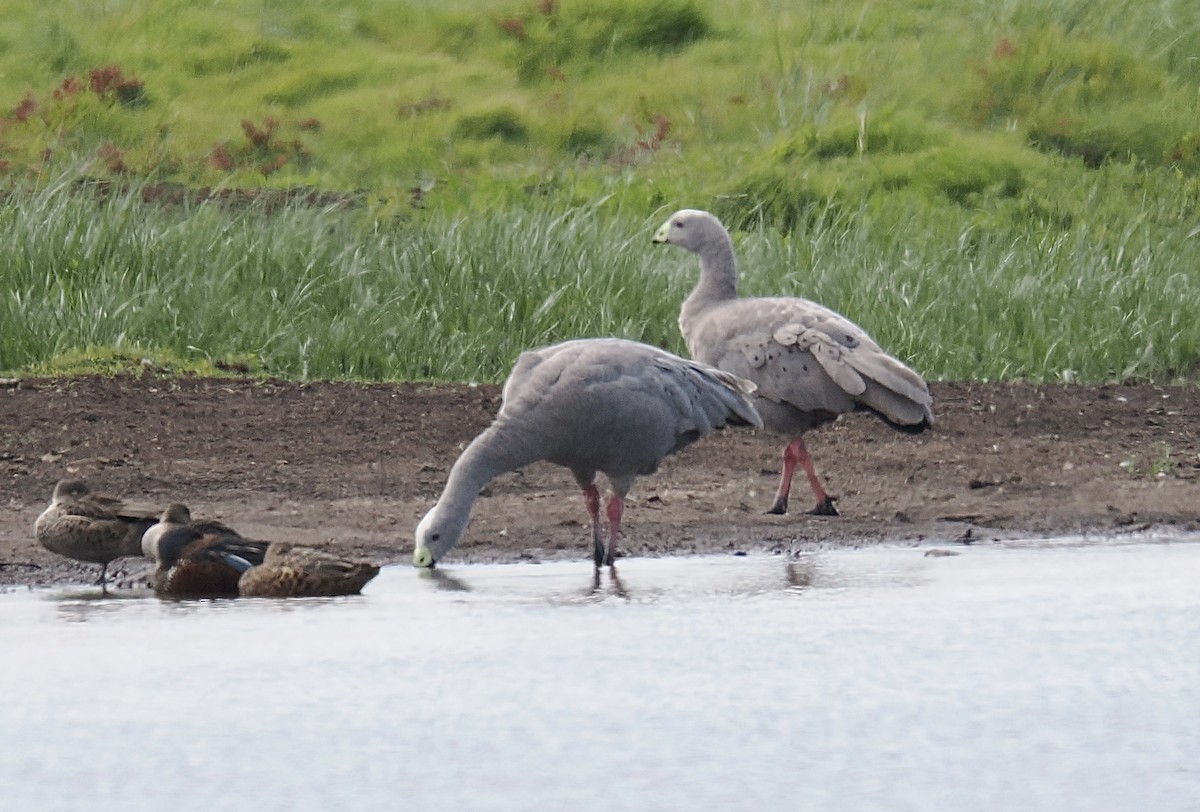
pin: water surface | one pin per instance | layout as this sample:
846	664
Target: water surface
1032	677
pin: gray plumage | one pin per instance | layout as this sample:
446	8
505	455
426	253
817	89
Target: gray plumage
810	364
92	527
602	405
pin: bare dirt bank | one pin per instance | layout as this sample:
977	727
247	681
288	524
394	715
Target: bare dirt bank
359	464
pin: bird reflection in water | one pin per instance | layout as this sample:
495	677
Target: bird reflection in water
444	580
615	587
800	574
601	585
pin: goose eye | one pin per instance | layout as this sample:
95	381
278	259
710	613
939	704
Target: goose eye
678	224
435	537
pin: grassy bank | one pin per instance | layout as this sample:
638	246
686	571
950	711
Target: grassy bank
770	105
995	190
306	292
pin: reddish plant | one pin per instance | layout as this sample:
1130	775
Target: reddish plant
26	108
70	86
220	158
271	167
1004	49
113	158
838	86
264	150
103	80
662	128
514	27
651	135
260	136
112	84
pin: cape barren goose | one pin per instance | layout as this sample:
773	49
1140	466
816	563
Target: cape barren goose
602	405
810	363
198	559
91	527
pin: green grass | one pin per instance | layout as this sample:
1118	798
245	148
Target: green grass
501	95
305	292
311	293
995	190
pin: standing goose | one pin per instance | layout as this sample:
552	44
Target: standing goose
603	405
810	364
88	526
197	558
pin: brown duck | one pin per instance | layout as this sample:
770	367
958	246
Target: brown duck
198	559
290	571
92	527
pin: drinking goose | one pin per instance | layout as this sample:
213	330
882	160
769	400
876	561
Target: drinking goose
602	405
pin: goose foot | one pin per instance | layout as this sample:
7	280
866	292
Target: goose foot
825	508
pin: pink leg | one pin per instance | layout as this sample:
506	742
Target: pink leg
591	499
796	453
616	509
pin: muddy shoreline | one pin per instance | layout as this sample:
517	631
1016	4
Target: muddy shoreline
355	466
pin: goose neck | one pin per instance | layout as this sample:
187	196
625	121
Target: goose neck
490	454
718	272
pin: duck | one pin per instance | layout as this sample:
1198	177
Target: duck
92	527
294	571
197	559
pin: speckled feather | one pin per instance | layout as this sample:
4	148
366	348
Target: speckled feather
289	571
91	527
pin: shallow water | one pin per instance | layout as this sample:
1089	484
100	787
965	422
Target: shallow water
1023	677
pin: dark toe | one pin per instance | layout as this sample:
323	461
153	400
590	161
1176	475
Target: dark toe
825	508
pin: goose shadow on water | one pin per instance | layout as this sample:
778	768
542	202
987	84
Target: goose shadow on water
443	580
801	574
615	587
670	580
599	587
